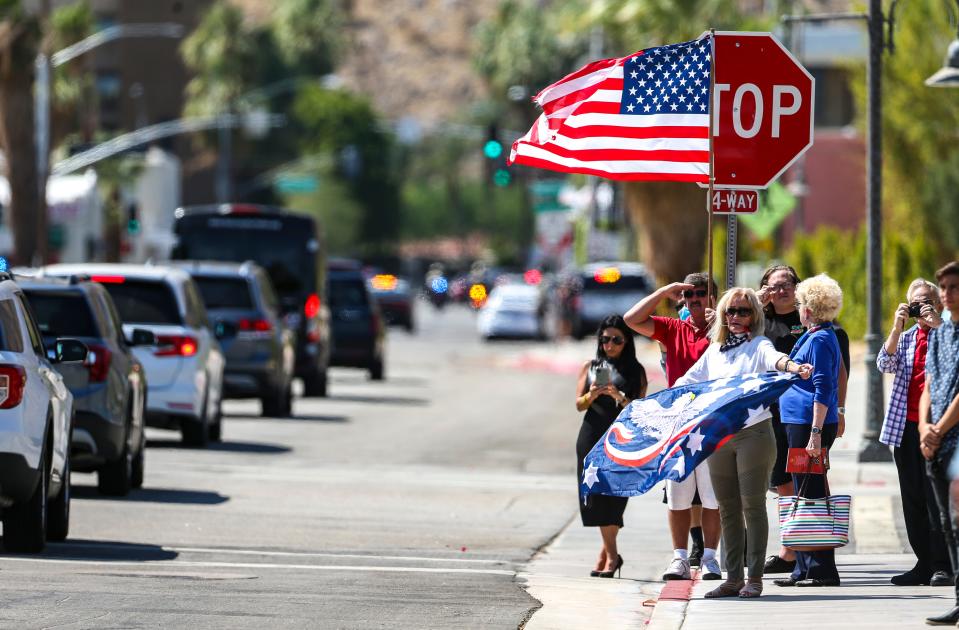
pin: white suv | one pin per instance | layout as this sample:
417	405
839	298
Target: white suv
184	371
36	412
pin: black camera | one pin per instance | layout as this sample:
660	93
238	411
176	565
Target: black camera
915	309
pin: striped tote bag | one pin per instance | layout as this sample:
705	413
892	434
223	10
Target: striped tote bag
814	524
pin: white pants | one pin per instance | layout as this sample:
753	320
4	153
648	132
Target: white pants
679	494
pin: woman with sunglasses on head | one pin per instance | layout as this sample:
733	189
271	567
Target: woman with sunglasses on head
606	384
740	470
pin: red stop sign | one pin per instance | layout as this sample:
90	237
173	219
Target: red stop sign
765	109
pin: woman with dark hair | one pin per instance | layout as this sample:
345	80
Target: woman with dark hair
606	384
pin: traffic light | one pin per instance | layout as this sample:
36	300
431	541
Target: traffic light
133	221
497	171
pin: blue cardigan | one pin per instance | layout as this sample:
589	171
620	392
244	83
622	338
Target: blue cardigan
821	349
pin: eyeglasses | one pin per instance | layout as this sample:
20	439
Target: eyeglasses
616	340
739	312
781	287
688	293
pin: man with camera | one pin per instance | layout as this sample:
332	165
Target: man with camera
904	355
685	341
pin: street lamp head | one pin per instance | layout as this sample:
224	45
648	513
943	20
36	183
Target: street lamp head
948	74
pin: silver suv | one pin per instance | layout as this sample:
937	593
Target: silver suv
36	414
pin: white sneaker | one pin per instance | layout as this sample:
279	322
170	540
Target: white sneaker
678	570
711	570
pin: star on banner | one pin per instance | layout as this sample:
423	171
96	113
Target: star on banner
755	416
589	475
695	442
752	385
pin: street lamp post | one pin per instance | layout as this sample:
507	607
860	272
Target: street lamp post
44	66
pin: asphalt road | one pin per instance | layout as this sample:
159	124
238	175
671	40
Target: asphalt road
404	504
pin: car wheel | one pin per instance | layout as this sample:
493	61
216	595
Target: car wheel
116	477
25	524
376	369
196	431
410	328
216	427
315	384
58	518
286	401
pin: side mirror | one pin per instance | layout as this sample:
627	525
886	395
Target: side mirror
70	351
224	330
142	337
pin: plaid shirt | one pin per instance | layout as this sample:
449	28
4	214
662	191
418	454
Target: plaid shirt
899	363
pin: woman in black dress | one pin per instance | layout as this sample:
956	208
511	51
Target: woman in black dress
615	357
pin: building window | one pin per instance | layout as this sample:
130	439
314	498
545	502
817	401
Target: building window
834	101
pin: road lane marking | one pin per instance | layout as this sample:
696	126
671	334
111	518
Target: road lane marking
291	554
177	564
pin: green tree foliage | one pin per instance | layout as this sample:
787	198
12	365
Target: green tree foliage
346	128
920	125
72	83
842	255
308	35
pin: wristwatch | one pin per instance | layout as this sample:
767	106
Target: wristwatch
842	410
816	431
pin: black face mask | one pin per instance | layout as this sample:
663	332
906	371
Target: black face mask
734	340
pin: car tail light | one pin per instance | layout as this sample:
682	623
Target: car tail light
108	279
312	307
255	325
13	379
175	346
98	363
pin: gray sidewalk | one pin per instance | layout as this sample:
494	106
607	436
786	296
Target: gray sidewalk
559	575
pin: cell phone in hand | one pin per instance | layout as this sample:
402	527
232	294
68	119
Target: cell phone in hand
604	375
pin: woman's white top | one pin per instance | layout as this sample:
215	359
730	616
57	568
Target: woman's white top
756	355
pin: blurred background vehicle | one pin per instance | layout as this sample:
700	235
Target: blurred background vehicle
395	298
598	289
437	286
36	417
359	333
185	369
287	246
515	311
109	386
258	347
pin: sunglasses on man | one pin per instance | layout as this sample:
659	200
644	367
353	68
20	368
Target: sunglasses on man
615	340
701	293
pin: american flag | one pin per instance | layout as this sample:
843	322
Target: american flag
640	117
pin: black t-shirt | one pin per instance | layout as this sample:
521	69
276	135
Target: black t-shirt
784	330
843	340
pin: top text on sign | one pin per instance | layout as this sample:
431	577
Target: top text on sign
763	104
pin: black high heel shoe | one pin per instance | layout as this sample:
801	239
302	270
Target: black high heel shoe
617	569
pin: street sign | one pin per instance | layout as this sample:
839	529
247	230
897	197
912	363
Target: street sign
732	201
296	184
763	103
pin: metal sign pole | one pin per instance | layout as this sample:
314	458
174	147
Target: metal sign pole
732	234
712	166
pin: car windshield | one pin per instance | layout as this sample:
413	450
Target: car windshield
284	246
224	292
347	293
144	302
62	314
623	283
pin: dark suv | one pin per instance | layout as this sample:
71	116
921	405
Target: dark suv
110	398
258	347
287	245
358	328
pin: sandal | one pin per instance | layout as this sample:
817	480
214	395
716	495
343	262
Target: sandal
753	588
726	589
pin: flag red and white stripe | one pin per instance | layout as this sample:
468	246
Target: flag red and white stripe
583	129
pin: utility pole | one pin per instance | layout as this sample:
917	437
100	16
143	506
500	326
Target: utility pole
872	450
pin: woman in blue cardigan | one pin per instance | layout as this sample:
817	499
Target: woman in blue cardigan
810	410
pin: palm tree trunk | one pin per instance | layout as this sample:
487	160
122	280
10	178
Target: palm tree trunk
27	207
671	222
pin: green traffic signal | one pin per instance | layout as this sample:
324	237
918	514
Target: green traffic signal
502	177
492	149
133	226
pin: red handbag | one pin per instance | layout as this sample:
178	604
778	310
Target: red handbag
798	461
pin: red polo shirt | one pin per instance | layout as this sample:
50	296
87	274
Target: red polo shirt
918	380
684	344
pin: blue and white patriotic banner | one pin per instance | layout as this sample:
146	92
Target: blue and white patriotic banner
666	435
640	117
